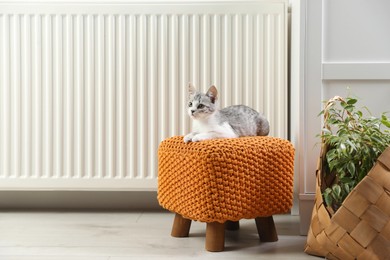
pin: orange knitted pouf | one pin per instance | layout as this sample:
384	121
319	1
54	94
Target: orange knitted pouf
222	180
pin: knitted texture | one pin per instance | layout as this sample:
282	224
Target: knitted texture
226	179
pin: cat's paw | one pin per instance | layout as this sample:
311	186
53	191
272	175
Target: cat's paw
196	139
188	138
201	137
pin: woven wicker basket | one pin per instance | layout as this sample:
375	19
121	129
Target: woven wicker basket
360	229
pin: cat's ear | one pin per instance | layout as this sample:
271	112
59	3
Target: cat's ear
191	89
212	93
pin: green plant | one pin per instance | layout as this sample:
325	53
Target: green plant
354	142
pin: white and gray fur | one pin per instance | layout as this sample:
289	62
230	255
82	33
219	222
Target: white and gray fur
209	122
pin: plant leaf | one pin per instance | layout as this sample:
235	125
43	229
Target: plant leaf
337	190
351	168
327	197
385	121
351	144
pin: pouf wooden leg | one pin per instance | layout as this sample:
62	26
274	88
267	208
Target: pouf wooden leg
215	237
232	225
181	226
266	229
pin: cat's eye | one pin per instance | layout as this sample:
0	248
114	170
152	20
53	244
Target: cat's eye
190	104
200	106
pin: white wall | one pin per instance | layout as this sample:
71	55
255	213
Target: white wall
345	43
356	31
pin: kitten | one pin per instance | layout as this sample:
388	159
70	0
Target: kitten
209	122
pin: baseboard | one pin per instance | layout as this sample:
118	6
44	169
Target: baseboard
79	200
306	203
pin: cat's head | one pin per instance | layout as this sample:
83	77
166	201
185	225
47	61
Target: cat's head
202	105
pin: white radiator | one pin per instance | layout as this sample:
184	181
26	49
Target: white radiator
88	91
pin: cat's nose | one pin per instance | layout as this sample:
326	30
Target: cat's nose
192	112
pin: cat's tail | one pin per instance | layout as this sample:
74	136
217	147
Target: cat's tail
262	126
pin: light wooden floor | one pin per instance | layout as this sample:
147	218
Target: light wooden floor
133	235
